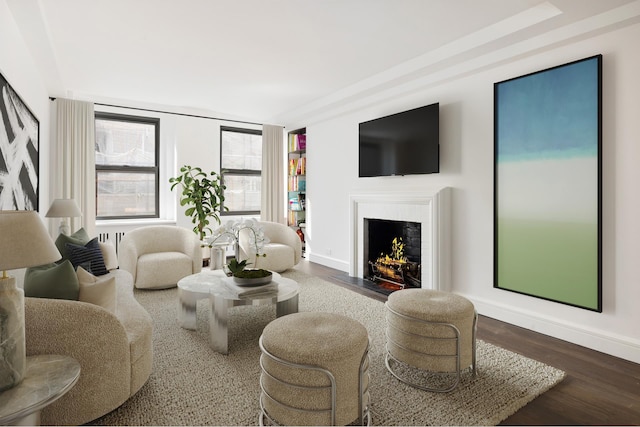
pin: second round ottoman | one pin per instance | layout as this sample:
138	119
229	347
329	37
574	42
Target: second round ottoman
433	331
314	370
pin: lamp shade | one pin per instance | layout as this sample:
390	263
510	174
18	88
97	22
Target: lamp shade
63	208
24	241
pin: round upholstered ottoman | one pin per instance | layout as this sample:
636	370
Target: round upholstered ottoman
314	370
432	331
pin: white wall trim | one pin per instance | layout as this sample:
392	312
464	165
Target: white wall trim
338	264
604	341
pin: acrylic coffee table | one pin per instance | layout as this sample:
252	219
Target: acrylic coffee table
210	284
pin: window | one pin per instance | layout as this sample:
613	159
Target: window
126	166
240	166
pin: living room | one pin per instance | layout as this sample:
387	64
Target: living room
463	84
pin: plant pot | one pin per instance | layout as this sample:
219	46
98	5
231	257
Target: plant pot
265	278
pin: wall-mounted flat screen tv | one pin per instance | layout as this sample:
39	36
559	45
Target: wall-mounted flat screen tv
405	143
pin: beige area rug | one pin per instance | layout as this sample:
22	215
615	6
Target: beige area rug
193	385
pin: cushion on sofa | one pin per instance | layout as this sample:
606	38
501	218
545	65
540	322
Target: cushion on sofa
80	237
52	281
80	255
109	254
97	290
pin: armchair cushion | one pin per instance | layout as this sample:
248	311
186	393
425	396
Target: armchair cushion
52	281
162	269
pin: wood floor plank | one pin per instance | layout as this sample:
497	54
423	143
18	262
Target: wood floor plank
598	390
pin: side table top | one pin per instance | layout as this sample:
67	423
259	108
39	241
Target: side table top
47	378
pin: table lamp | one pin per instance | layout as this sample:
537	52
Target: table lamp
64	208
24	242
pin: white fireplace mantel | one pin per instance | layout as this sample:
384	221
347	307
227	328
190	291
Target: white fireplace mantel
428	207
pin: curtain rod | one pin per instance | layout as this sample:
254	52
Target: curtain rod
171	112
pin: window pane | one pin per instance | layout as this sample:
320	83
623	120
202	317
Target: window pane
241	151
242	193
126	194
125	143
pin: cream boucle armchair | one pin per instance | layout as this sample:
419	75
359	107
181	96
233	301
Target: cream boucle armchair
158	256
283	251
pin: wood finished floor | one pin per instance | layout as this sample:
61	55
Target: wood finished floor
598	390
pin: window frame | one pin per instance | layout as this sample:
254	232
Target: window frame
237	172
155	121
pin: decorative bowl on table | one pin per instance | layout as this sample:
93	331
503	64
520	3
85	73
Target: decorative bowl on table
252	277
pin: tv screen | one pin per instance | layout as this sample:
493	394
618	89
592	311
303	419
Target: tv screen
405	143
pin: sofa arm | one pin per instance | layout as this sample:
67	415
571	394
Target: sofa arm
97	340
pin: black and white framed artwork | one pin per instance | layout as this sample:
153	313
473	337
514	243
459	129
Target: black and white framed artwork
19	147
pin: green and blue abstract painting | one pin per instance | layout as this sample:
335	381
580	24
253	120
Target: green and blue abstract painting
547	176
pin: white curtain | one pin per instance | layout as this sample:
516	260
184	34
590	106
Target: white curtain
73	169
272	206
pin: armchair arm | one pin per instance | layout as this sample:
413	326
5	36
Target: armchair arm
97	340
128	256
190	246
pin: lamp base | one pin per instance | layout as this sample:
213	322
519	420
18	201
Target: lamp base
13	359
64	227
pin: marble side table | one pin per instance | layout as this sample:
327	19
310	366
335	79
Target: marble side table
47	378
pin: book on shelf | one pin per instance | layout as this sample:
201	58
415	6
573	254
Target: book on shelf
294	204
297	141
298	166
296	183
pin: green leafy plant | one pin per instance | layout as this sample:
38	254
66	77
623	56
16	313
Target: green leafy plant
203	194
236	266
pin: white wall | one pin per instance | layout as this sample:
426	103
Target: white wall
466	122
18	68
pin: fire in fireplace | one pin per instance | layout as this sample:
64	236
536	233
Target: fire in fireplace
392	254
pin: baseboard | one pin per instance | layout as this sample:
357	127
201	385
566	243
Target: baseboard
328	261
595	339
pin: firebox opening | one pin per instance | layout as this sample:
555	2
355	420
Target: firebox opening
392	254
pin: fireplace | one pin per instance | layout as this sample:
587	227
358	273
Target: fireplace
429	209
392	254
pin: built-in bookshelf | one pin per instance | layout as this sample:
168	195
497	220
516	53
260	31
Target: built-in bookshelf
297	180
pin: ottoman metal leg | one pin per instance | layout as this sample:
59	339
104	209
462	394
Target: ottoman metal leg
264	418
407	373
314	371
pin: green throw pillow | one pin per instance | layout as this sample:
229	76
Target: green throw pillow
80	237
58	281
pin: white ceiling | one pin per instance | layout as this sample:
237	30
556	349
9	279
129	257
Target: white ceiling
275	61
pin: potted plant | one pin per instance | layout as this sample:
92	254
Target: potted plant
203	194
248	277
